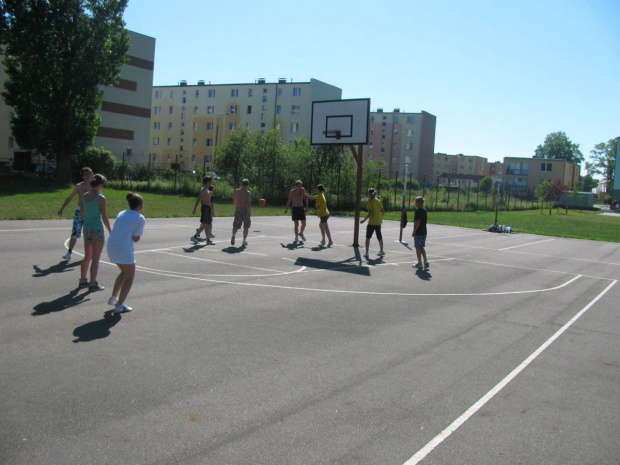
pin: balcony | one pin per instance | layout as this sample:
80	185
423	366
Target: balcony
514	172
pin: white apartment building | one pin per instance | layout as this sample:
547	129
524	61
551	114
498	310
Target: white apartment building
189	121
403	139
125	110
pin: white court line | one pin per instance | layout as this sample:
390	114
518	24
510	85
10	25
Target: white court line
456	424
201	250
35	229
221	263
283	273
524	245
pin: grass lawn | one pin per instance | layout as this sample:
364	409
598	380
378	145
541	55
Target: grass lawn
32	201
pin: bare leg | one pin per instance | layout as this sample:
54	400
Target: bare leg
326	229
381	245
129	271
120	279
322	228
367	245
94	266
72	243
423	252
418	253
303	226
88	255
245	233
296	228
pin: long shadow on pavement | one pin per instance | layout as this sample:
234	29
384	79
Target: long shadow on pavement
99	329
72	299
344	266
424	275
57	268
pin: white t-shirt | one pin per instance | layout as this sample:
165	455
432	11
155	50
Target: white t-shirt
129	223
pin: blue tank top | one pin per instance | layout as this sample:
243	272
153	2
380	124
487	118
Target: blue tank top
92	213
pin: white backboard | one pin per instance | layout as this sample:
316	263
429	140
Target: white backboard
347	119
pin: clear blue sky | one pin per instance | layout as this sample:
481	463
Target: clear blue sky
498	74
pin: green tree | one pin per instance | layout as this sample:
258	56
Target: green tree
558	146
98	159
556	190
542	193
57	53
604	160
588	183
486	184
235	157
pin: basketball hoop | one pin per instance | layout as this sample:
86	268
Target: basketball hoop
332	134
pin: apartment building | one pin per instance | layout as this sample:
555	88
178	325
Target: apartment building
189	121
524	174
125	110
403	139
458	164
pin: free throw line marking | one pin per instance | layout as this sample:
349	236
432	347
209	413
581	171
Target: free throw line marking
456	424
525	245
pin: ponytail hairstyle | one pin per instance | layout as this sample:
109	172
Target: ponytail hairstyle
321	187
134	200
98	180
372	193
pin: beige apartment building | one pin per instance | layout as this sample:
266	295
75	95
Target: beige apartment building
458	164
403	139
189	121
522	175
125	110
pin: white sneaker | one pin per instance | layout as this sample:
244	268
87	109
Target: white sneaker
322	242
381	253
112	300
295	241
194	239
426	265
211	235
122	309
245	243
418	266
303	238
67	256
366	256
330	243
210	242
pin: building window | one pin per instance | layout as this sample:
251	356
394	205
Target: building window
232	126
279	94
197	94
169	126
169	142
182	115
278	126
279	109
158	94
249	109
546	167
265	90
180	148
262	125
170	110
171	94
383	137
233	110
193	158
409	119
372	119
156	126
294	127
264	98
157	110
396	119
211	93
209	142
296	91
384	124
247	125
184	92
195	126
295	110
234	93
210	110
370	145
372	131
184	100
409	132
193	142
155	140
250	92
195	110
210	126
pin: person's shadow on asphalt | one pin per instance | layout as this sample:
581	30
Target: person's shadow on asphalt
72	299
57	268
424	275
98	329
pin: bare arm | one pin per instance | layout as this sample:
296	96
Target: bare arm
196	205
367	215
104	212
75	191
416	225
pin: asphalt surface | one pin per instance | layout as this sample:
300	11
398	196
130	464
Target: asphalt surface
284	354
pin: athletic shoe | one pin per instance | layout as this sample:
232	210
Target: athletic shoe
418	266
83	283
366	256
330	243
112	300
303	238
245	243
67	256
232	240
210	242
194	239
322	242
122	309
381	253
426	265
212	236
94	286
295	241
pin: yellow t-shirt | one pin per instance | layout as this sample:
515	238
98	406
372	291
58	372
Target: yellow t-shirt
375	216
321	205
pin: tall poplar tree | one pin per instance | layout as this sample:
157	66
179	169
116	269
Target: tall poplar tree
56	54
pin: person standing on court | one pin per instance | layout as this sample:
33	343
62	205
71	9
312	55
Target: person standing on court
95	216
242	199
206	211
297	198
419	233
80	189
323	213
375	216
128	228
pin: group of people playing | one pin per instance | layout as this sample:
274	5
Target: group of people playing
91	216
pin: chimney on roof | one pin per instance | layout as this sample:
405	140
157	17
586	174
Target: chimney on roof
201	83
183	83
261	80
281	80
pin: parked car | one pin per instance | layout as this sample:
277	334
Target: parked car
45	170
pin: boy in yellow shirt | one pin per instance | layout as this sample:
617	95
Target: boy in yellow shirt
375	213
322	212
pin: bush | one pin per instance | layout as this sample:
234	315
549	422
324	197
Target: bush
98	159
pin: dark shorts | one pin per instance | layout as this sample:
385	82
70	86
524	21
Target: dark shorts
371	228
205	214
324	218
419	242
299	214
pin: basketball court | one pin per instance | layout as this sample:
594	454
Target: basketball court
504	351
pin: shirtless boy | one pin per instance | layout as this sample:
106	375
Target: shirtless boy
297	198
243	209
79	190
206	211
